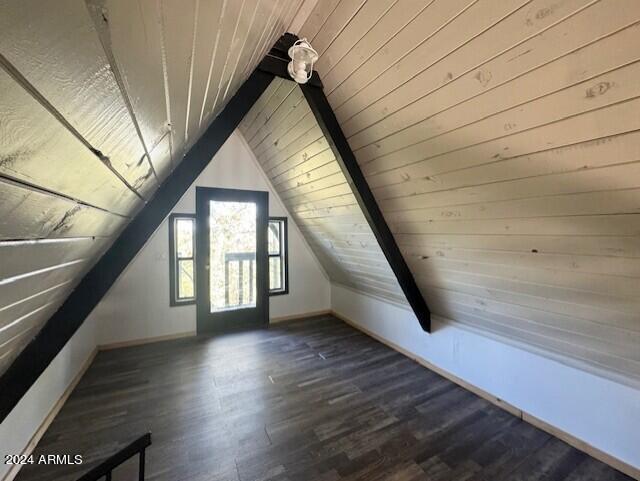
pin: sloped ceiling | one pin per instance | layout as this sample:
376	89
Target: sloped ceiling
99	101
501	140
289	145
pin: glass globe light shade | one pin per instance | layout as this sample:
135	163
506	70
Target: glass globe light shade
303	56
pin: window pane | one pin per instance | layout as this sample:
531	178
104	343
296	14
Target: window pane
184	238
233	240
274	237
186	288
275	273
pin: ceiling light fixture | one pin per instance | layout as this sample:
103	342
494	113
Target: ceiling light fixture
303	56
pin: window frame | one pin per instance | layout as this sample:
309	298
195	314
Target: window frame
174	260
283	256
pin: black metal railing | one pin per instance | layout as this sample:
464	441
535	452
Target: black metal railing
245	295
104	469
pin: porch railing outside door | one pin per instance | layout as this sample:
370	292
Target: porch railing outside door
245	291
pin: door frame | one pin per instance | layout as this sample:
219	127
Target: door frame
243	318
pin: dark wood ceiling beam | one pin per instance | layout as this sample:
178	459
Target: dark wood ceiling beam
39	353
351	170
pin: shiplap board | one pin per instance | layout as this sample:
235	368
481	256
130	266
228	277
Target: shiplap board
301	113
18	309
501	141
26	322
207	50
15	339
548	114
522	23
620	342
550	300
29	298
448	38
59	52
369	14
398	45
387	27
100	101
291	103
30	262
248	32
262	120
296	157
134	35
26	213
582	155
395	131
329	193
605	245
15	290
310	140
624	267
178	20
296	170
35	148
614	286
23	257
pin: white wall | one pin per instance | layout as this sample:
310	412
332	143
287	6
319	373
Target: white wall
25	419
137	306
601	412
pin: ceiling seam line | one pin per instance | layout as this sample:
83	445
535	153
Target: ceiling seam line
105	41
30	88
42	190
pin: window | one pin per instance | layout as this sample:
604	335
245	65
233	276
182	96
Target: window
182	246
278	259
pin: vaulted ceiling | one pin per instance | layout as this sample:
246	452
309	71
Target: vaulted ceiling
99	101
501	139
296	156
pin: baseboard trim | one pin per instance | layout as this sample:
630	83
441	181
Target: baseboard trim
145	340
35	439
304	315
583	446
180	335
540	424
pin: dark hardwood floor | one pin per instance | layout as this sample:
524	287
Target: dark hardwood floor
305	401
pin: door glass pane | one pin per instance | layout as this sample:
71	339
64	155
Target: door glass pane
185	280
275	273
184	237
233	241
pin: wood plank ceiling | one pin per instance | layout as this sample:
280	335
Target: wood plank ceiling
289	145
99	102
501	139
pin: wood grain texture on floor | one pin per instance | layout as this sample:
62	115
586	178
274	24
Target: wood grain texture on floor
313	400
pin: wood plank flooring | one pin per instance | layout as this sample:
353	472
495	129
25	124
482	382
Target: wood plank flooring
312	400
